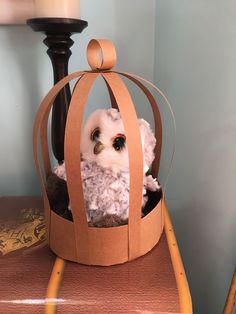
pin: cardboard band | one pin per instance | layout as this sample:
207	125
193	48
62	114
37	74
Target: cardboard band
157	121
72	162
112	98
40	125
172	120
130	120
101	54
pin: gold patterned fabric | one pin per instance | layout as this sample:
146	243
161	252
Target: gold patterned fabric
25	231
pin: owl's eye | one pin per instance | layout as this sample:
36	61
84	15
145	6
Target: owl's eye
119	142
95	134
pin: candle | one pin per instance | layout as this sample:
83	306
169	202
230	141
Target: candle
57	8
13	12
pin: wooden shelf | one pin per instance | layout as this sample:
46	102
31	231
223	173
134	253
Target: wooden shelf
146	284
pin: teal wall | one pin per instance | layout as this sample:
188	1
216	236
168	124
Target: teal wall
196	67
26	76
189	48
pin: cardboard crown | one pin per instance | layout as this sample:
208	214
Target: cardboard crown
76	241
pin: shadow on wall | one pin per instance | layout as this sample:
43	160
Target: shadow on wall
201	231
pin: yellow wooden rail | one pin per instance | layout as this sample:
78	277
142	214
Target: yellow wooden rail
185	300
54	286
231	299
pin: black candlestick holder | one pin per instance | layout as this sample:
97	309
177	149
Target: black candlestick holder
58	32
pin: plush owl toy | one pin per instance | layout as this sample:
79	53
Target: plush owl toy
105	167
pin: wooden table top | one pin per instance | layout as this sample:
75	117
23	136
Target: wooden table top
145	285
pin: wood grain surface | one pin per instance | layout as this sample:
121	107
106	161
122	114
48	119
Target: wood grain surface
145	285
24	273
24	280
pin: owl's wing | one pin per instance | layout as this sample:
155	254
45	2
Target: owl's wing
148	143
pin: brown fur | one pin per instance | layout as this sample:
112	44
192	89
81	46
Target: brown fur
58	196
108	221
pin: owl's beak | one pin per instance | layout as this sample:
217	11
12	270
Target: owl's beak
98	148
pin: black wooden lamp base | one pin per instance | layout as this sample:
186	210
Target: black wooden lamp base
58	32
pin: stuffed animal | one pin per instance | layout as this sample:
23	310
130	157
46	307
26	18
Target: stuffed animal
105	168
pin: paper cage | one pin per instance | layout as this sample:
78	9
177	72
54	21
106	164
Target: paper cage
75	240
